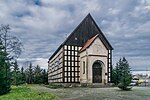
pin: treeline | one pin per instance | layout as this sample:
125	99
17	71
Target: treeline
30	75
10	73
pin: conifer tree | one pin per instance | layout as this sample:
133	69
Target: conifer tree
4	71
29	74
16	74
122	75
23	77
45	76
37	75
126	75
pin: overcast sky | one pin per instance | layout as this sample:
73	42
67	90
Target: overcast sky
42	25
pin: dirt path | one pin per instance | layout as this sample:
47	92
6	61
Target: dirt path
138	93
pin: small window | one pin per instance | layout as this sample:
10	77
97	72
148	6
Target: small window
72	58
72	73
68	47
72	47
72	63
76	53
65	63
73	52
76	63
83	67
68	68
65	47
68	52
68	63
76	58
76	48
65	79
65	74
65	52
65	57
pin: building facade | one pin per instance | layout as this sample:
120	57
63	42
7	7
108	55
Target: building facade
84	57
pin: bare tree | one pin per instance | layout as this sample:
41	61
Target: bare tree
11	43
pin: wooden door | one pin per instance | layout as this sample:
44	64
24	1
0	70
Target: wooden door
97	73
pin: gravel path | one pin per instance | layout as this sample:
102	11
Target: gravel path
138	93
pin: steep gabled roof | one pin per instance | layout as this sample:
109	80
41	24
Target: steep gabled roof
88	43
84	31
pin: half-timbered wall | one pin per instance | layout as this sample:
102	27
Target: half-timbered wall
71	64
55	67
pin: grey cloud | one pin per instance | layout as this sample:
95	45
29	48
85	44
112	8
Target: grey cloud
43	27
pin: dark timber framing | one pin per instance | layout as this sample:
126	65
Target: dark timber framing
64	64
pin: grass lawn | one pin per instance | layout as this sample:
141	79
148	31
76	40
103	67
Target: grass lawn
25	93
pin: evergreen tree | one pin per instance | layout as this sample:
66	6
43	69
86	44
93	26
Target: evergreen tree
126	75
16	74
23	77
114	77
122	75
35	75
4	71
117	73
45	76
38	75
29	74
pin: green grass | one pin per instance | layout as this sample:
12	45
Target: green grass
25	93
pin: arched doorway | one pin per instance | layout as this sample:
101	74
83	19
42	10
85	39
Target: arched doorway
97	72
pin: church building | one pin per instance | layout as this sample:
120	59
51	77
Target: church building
84	57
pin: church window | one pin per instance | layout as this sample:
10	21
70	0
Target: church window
65	52
83	67
65	47
68	52
68	47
